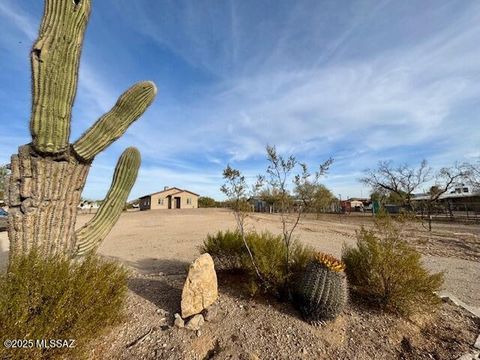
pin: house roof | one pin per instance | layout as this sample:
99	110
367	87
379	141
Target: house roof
178	192
169	189
447	196
358	199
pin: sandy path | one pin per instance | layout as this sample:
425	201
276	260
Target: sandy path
166	241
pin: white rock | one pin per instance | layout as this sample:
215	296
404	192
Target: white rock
201	288
178	321
477	342
195	323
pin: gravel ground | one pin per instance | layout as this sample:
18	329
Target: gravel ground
158	245
154	241
263	328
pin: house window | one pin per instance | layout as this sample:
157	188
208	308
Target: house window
160	201
189	201
465	190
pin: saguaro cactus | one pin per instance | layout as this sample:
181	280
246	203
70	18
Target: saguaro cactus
321	292
48	175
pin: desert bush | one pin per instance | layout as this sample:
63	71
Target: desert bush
226	249
384	270
206	202
269	252
55	298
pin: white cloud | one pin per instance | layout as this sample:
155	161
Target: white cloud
311	80
20	20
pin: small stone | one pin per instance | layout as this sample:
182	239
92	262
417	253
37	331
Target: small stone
470	356
195	323
179	321
210	313
199	333
477	343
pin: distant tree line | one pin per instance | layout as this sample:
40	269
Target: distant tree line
399	184
208	202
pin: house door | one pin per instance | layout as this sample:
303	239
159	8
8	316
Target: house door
169	202
177	203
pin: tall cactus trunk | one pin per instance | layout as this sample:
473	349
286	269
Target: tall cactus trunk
49	174
43	197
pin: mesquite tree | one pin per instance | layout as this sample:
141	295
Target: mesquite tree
280	172
236	190
445	180
403	180
472	174
48	175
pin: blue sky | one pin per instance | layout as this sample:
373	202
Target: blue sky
359	81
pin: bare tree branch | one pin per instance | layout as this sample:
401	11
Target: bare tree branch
402	180
280	171
235	188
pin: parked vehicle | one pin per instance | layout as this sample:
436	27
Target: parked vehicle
3	219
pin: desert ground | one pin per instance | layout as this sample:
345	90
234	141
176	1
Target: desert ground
160	241
158	245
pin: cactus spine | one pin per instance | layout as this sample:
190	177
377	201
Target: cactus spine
48	175
321	292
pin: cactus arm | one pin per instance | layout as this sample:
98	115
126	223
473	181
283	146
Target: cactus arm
55	58
129	107
91	235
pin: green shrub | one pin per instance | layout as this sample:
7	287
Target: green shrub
384	270
55	298
206	202
269	252
226	249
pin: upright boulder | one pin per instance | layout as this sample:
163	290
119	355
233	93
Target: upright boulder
201	288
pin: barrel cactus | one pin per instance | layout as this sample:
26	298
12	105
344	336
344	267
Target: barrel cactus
321	289
48	175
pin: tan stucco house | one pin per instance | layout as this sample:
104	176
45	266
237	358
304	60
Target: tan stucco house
169	198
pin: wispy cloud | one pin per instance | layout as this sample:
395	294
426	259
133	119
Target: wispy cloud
11	13
358	81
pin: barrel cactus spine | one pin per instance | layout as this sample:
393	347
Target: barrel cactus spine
321	292
48	175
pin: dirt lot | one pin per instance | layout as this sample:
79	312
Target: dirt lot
158	245
163	241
